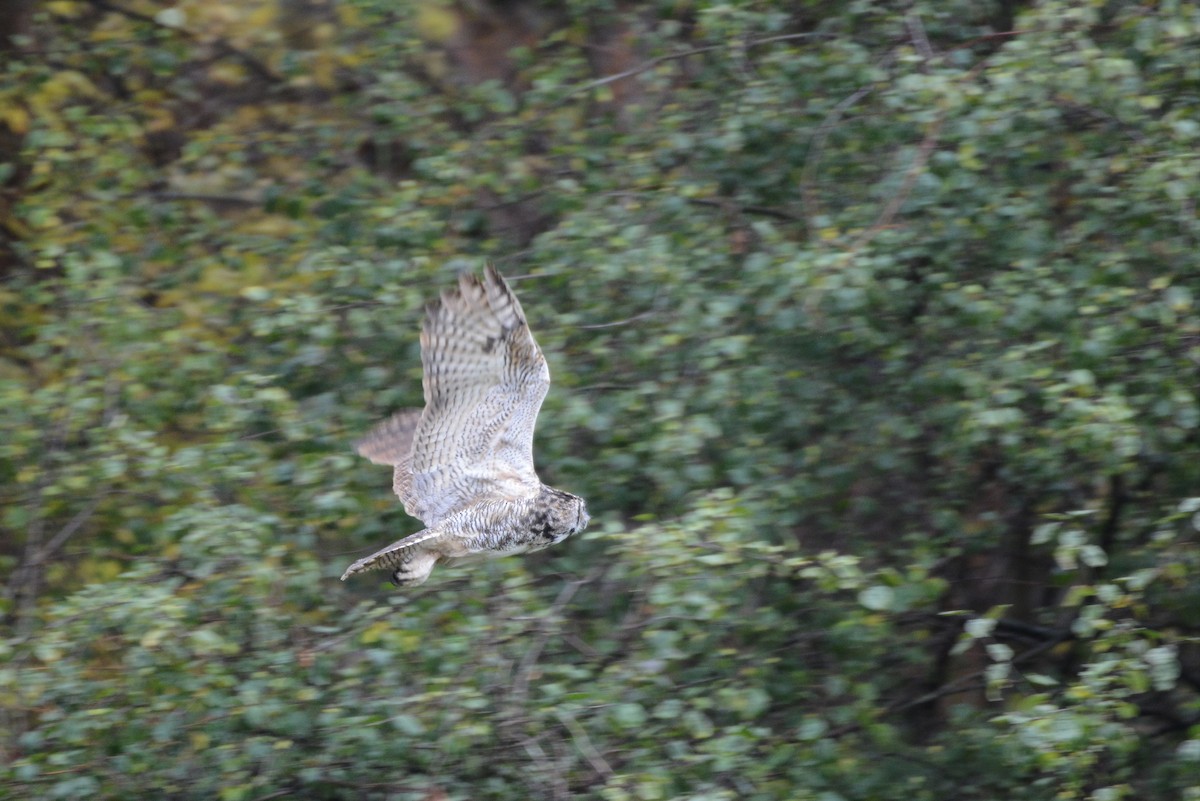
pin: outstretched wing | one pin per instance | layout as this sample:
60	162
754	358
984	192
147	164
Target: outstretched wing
410	560
484	381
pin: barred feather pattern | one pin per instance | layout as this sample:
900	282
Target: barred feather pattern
487	528
464	464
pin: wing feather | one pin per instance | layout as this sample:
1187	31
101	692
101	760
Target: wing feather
484	382
393	556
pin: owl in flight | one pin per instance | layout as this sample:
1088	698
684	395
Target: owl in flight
463	465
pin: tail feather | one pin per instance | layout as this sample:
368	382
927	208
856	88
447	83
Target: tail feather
390	442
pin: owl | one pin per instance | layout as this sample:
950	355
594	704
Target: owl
463	465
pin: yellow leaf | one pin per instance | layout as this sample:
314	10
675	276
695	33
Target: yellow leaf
200	740
261	17
60	87
324	32
16	118
64	8
161	119
228	72
17	228
374	632
436	23
79	82
149	97
152	638
270	225
215	278
191	310
324	71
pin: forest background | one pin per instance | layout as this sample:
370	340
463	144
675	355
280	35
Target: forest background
875	349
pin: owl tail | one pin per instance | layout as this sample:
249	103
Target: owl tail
390	442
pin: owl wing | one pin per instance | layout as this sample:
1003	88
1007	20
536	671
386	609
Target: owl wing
484	382
409	559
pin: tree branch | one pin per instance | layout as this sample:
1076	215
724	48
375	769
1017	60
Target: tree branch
584	743
807	195
520	687
910	180
646	66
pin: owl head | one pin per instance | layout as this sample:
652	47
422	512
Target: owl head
558	515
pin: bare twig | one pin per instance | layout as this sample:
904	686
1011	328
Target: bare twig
605	386
987	37
22	588
616	323
807	194
285	793
910	180
646	66
966	683
765	211
228	200
520	686
719	202
584	743
547	768
72	526
920	40
580	646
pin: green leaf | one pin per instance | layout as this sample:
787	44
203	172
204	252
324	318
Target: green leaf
878	598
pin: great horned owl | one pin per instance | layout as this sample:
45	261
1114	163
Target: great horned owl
464	464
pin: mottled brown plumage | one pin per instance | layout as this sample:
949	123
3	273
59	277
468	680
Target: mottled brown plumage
464	464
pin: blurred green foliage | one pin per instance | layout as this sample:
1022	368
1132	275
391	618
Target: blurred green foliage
874	336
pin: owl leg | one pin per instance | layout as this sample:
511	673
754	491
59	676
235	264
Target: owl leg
414	568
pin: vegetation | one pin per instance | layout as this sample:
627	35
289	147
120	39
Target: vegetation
875	343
